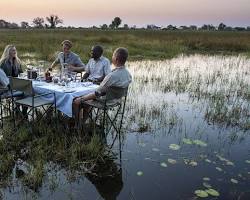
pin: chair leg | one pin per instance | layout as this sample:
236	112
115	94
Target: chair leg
103	122
1	113
123	110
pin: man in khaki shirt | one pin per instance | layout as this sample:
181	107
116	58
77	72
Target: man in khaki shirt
119	77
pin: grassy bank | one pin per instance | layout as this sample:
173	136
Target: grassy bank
142	44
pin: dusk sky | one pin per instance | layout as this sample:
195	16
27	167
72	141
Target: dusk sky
133	12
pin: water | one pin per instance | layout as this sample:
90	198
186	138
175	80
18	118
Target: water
169	101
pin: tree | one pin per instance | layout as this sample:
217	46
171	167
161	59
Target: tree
171	27
221	27
116	22
54	20
38	22
125	26
104	26
25	25
4	24
193	27
13	25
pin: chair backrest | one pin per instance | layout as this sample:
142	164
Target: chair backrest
23	85
116	93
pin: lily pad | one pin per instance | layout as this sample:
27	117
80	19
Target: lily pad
221	158
172	161
206	185
174	147
139	173
234	181
219	169
229	163
206	179
187	141
207	160
163	164
193	163
213	192
155	149
248	161
142	144
200	143
201	193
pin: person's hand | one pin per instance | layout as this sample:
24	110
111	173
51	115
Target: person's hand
71	68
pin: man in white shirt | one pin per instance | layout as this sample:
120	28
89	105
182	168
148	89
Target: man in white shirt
98	66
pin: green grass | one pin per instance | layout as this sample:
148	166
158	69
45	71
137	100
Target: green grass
142	44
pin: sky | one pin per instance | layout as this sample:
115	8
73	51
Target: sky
85	13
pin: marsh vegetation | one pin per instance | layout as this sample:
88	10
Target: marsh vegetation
185	133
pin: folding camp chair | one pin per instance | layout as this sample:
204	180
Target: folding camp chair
5	103
114	100
31	100
2	106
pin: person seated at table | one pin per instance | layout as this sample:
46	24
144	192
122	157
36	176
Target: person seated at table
68	59
9	62
98	66
119	77
4	81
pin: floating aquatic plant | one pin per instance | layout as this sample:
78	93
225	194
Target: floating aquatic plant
163	164
172	161
139	173
212	192
234	181
187	141
174	147
201	193
200	143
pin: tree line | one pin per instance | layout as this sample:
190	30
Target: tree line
53	21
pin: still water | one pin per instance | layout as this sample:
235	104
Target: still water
174	145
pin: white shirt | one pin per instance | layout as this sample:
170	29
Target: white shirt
98	69
4	80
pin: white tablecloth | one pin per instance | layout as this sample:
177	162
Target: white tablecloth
64	95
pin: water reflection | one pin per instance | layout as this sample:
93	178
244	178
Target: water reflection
186	129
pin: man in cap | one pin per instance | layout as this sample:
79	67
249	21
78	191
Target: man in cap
68	59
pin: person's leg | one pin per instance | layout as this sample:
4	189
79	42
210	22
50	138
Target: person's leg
76	109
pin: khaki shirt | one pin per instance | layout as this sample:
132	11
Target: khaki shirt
119	77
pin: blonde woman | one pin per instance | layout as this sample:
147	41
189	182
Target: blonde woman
9	61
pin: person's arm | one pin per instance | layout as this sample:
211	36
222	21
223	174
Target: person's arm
85	76
76	69
78	65
53	65
87	71
4	68
20	70
4	80
56	62
107	68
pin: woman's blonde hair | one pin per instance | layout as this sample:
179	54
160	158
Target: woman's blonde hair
6	55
